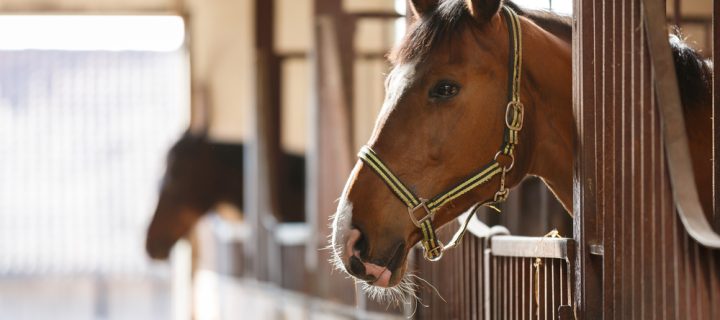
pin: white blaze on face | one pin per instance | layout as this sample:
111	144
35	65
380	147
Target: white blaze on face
341	220
396	84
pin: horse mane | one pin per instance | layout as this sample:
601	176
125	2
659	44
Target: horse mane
693	71
451	17
194	145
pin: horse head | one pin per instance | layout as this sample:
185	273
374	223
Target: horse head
189	190
459	125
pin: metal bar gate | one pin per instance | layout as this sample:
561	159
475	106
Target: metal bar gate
497	276
635	260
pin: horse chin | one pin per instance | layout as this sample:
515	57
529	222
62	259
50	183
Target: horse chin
401	288
157	252
159	247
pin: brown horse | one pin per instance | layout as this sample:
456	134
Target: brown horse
444	116
201	174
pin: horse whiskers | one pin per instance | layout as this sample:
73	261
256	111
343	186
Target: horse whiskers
429	285
402	293
336	221
335	259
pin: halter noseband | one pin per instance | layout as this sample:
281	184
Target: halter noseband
513	124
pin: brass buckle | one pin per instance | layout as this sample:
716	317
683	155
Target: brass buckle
509	155
440	249
423	204
502	193
516	106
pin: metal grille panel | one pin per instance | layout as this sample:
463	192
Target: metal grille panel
82	143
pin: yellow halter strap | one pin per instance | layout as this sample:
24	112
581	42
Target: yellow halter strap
513	124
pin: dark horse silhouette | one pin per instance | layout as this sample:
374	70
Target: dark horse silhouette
201	174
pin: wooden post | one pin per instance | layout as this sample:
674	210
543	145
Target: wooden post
716	116
263	147
588	262
635	259
330	154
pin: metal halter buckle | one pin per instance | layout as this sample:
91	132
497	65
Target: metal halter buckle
509	155
518	108
429	213
440	249
502	193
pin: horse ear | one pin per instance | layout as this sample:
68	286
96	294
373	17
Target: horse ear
484	9
420	7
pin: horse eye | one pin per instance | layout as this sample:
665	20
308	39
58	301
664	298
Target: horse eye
444	90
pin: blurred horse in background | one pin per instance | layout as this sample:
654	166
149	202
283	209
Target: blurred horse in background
200	175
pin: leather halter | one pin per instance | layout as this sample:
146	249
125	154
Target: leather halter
513	124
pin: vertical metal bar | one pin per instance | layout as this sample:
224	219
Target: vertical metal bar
516	289
562	283
486	282
473	279
552	287
569	288
521	309
506	288
511	294
532	292
545	287
495	296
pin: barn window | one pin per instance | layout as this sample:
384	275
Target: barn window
559	6
88	108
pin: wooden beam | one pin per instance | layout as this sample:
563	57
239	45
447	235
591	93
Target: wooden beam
716	116
330	154
263	148
586	232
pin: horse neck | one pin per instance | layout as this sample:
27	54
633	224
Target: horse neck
548	87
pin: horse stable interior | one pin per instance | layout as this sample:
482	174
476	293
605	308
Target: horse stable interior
183	159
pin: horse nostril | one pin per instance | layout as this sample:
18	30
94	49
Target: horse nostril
361	245
356	266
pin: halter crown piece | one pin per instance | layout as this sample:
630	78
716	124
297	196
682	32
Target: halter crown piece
514	113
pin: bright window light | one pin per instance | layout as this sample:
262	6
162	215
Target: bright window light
533	4
562	6
91	33
400	23
559	6
400	6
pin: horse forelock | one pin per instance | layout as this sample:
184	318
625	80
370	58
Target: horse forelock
431	31
451	17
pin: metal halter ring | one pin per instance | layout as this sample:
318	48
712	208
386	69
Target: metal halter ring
440	249
509	155
516	106
423	204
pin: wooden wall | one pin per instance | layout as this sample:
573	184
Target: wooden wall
635	259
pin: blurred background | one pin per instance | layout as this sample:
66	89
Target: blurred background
271	99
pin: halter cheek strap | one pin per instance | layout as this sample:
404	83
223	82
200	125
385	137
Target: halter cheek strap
513	124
